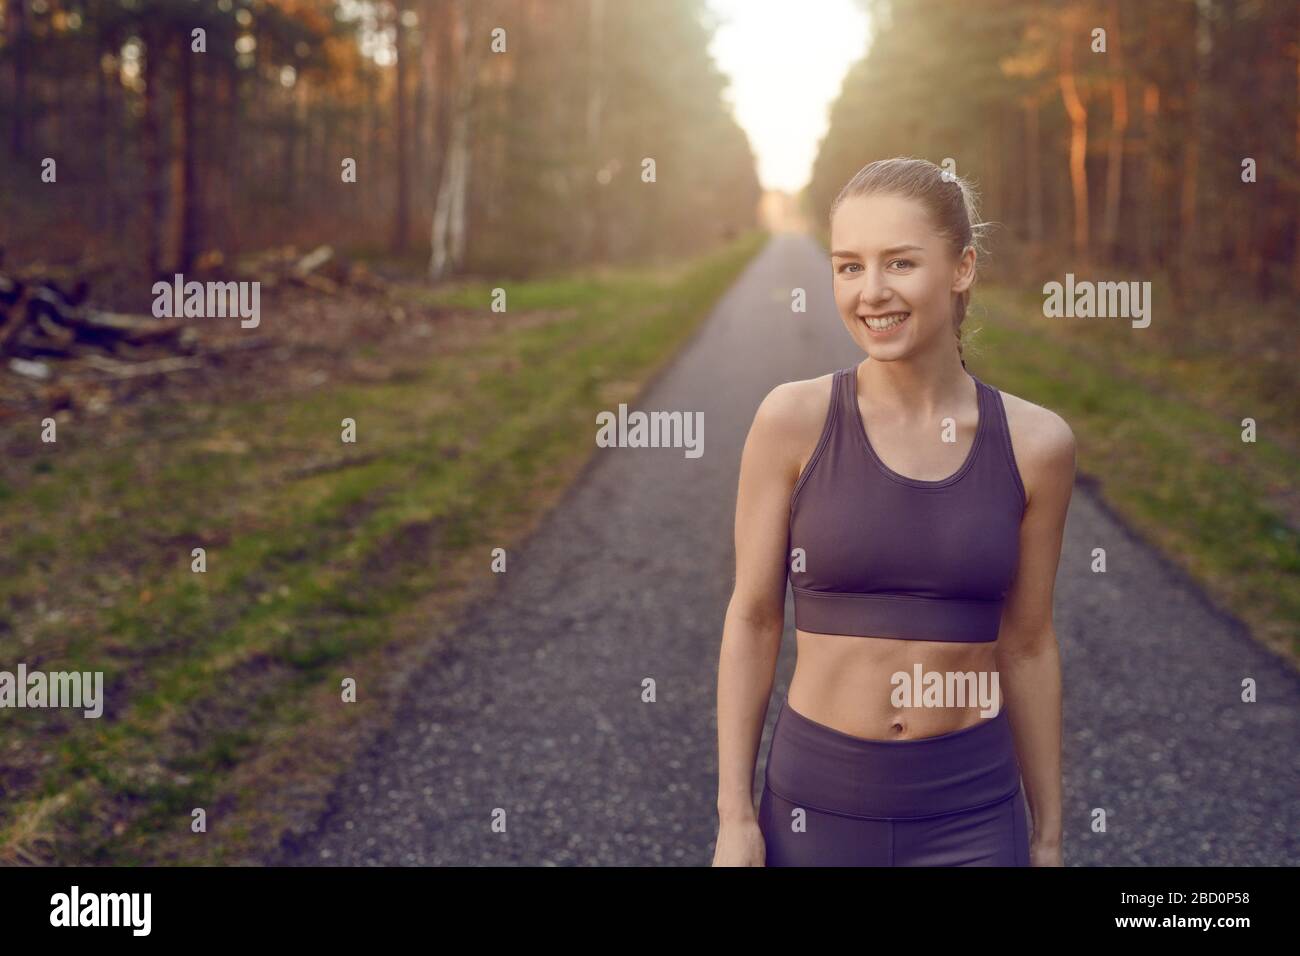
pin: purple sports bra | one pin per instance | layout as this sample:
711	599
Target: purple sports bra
885	555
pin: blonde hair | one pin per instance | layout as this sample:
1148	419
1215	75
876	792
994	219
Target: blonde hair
952	204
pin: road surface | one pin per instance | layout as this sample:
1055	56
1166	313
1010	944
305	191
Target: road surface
535	705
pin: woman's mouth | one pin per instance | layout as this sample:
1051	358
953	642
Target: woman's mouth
885	323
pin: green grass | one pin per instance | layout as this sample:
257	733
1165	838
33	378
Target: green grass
212	677
1162	435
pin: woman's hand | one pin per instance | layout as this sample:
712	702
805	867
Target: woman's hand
740	843
1045	853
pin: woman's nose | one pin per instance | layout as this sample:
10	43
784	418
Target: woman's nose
875	286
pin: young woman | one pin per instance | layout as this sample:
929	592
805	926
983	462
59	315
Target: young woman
918	514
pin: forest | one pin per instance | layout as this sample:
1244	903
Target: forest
148	137
1163	134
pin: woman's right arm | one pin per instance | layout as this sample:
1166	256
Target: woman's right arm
751	634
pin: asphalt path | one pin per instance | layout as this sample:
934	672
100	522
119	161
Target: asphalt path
532	713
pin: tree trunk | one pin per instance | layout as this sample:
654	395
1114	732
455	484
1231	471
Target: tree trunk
995	164
1295	252
104	130
1033	177
436	67
447	240
1118	126
419	115
232	169
1078	114
182	221
1188	210
595	245
366	195
289	149
152	150
18	30
403	200
1147	202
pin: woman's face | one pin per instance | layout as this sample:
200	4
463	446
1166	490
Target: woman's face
886	259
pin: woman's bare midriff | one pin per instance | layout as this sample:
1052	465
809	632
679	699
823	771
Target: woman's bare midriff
847	683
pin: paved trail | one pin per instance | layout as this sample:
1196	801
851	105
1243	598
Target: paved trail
535	705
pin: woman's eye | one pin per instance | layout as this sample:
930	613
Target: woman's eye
846	265
908	261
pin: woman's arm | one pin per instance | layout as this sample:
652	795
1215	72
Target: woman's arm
751	634
1028	659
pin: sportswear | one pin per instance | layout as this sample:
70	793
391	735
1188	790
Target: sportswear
885	555
832	799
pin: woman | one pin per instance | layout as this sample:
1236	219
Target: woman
918	514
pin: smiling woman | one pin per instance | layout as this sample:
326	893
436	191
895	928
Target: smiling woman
918	514
881	200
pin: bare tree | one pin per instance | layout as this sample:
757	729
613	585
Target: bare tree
1118	126
447	235
1078	113
401	211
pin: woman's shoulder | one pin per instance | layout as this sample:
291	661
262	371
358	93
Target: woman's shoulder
798	405
791	417
1042	441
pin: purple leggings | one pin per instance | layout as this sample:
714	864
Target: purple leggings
832	799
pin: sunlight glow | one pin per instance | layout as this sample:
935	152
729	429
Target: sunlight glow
786	60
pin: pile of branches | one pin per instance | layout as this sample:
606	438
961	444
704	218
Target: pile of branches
44	317
44	314
322	270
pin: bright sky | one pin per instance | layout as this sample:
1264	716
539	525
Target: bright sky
786	60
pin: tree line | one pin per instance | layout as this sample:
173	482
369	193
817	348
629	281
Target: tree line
504	136
1153	137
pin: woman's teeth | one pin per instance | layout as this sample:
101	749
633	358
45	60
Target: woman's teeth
885	323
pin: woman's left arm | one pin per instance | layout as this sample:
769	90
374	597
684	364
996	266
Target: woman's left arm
1028	660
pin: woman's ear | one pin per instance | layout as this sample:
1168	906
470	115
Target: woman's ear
965	275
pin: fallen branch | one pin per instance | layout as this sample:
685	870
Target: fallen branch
36	370
135	329
16	320
322	466
164	366
240	345
314	260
